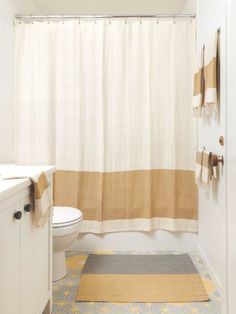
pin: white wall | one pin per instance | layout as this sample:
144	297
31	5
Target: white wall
190	7
231	154
111	6
212	204
8	8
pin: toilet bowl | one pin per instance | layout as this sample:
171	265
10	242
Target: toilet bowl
66	226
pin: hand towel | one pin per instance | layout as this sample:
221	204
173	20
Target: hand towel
198	166
207	171
214	164
42	199
198	91
43	203
210	75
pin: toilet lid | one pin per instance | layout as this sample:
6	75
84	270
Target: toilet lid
65	215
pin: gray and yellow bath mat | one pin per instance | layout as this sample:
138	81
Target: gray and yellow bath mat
140	278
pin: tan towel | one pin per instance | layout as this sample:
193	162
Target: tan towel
198	166
207	171
198	91
42	197
210	74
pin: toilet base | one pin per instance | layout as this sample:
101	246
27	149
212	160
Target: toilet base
59	265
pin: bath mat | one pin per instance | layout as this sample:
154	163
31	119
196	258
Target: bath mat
140	278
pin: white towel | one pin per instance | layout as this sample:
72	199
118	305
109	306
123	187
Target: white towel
198	167
211	75
215	165
207	171
198	91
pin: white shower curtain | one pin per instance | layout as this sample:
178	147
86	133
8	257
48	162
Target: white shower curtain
109	103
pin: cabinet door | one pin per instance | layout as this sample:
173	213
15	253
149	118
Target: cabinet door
9	260
35	283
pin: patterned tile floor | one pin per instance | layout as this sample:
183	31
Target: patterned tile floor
64	292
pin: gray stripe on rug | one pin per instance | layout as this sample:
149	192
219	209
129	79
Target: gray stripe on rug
139	264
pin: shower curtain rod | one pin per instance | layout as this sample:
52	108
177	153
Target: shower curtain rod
104	16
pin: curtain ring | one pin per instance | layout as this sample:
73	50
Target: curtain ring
157	20
79	21
109	20
95	20
126	20
140	20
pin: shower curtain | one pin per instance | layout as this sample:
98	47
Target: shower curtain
109	103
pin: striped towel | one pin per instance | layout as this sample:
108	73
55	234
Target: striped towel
42	199
207	171
215	164
198	166
211	75
198	91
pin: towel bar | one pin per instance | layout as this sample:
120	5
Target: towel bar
215	160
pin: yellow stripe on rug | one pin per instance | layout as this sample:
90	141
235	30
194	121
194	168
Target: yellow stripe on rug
141	288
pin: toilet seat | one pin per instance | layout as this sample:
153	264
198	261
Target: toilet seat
66	216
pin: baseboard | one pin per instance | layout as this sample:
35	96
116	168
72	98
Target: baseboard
210	269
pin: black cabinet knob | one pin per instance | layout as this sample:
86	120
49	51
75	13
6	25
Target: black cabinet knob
28	208
18	215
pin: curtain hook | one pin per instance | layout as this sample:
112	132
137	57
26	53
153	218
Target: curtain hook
140	20
157	20
126	20
79	20
109	20
95	20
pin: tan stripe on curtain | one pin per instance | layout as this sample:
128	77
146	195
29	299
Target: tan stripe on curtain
128	194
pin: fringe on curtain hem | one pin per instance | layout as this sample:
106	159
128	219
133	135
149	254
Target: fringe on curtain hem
140	224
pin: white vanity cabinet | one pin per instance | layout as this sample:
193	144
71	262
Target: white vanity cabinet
25	258
9	260
35	249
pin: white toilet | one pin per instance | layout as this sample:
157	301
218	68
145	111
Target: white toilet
66	226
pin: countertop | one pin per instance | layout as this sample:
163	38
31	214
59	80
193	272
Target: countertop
12	186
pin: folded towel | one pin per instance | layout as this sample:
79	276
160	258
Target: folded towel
198	91
207	170
215	164
42	197
198	167
210	74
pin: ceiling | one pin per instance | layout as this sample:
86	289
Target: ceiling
113	6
